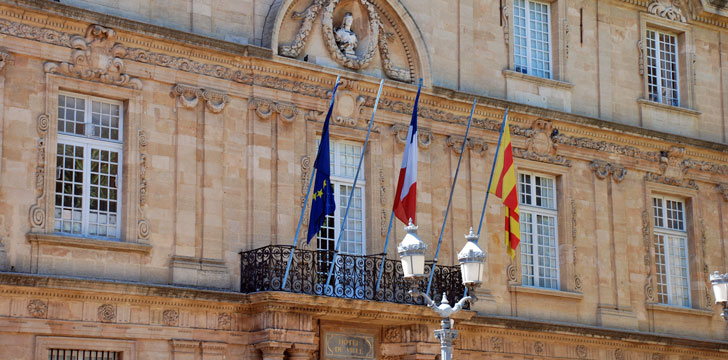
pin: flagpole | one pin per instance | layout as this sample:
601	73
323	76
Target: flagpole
490	182
353	188
305	201
449	201
384	254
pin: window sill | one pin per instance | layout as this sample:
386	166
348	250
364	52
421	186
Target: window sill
508	74
545	292
671	108
87	243
679	310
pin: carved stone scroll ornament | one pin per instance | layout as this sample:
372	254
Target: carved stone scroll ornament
511	272
603	169
4	58
224	320
671	163
668	9
581	352
38	210
662	179
505	18
348	59
646	242
143	226
264	108
215	101
547	158
641	50
96	57
476	146
723	190
188	95
424	136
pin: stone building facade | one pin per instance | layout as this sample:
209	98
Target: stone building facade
147	146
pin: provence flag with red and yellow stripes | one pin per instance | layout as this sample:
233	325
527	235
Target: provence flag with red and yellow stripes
505	187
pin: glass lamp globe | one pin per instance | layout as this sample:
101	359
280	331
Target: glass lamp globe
472	259
720	287
412	253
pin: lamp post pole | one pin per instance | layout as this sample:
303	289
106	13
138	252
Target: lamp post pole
412	254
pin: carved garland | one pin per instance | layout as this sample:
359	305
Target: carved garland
476	146
603	169
424	136
38	210
299	42
264	108
189	96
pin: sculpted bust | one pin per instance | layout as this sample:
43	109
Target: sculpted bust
345	38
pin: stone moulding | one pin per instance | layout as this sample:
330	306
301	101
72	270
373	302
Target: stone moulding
547	158
662	179
647	242
143	225
96	57
668	9
189	96
37	215
425	137
476	146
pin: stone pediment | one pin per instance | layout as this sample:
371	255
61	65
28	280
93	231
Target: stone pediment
376	38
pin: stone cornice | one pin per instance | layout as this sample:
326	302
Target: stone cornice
17	284
447	105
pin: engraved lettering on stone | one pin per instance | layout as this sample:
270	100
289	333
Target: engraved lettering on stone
37	308
170	317
107	313
96	57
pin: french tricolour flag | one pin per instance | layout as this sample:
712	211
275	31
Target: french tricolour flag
405	199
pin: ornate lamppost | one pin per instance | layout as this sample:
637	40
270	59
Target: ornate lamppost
412	255
720	290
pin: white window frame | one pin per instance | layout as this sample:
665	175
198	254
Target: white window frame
529	39
337	180
665	231
659	97
535	210
88	142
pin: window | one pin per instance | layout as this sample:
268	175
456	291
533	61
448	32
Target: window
88	166
671	251
662	69
69	354
344	157
539	245
344	161
531	38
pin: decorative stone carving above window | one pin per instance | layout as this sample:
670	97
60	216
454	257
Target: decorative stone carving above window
541	143
288	112
215	101
96	57
424	136
668	9
662	179
189	96
476	146
603	169
672	164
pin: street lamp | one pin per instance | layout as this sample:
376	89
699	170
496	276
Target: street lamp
471	257
720	290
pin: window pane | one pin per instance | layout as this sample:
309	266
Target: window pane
353	240
103	207
679	294
662	68
69	186
106	120
71	115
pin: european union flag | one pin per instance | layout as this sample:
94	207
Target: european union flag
323	193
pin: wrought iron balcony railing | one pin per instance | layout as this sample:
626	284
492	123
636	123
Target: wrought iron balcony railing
354	277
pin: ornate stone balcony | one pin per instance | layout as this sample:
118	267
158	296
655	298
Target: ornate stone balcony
354	276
